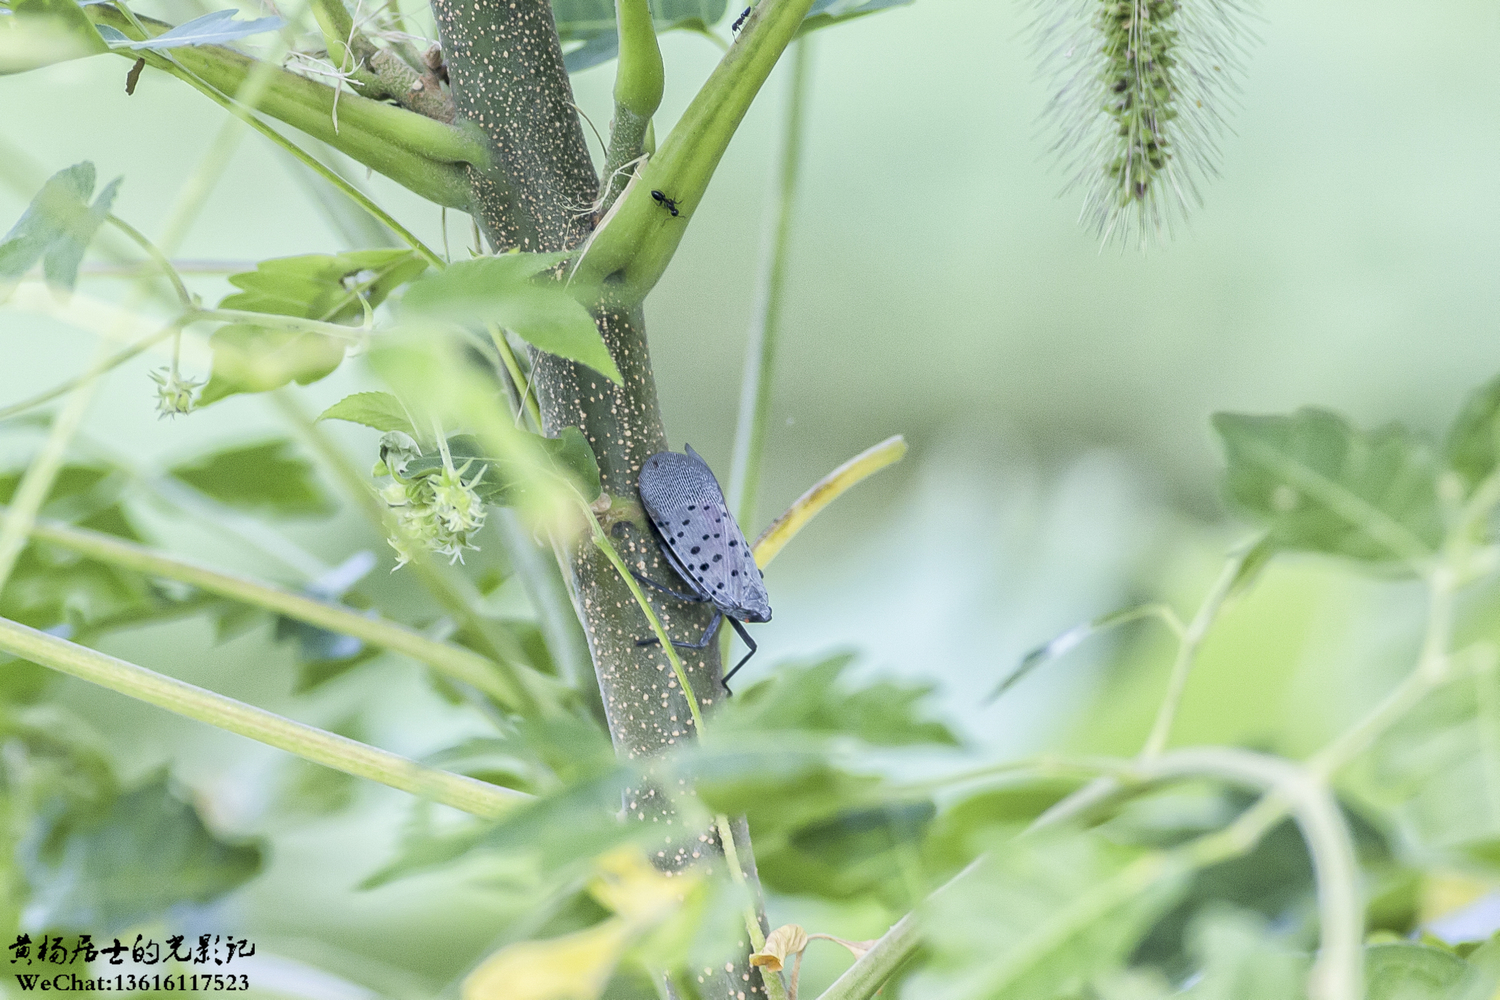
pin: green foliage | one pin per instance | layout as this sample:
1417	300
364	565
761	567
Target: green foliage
329	288
144	853
1042	919
1473	445
810	698
1412	972
504	291
506	479
267	477
58	226
1319	485
826	13
379	410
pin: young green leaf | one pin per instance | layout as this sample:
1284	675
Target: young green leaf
331	288
214	28
267	476
56	228
379	410
258	359
328	287
131	862
501	290
1473	445
1320	485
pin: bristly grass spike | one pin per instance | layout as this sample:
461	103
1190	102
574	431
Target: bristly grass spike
1138	94
701	541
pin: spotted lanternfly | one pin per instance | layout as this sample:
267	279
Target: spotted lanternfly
702	542
670	204
735	27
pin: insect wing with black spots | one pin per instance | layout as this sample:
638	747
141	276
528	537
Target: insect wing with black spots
700	537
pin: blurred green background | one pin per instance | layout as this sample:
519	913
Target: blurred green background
1055	395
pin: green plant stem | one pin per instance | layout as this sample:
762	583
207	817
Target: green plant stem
451	661
421	153
157	257
1187	652
108	364
765	314
639	82
1338	973
190	701
633	249
542	577
513	368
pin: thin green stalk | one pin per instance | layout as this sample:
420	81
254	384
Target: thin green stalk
1187	651
765	315
159	258
775	987
513	368
639	81
108	364
602	542
460	664
193	702
633	249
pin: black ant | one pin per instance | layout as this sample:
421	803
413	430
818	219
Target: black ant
734	28
670	204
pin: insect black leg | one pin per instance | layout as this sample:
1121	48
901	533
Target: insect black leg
749	642
690	598
708	635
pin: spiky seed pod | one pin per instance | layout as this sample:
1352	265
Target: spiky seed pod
439	512
174	394
1139	84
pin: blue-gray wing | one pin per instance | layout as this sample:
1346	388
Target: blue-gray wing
705	545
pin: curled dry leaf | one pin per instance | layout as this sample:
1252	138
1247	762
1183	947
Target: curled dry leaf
787	940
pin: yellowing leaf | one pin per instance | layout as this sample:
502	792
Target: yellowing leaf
572	967
782	943
629	885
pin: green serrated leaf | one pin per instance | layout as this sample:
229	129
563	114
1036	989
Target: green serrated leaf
266	476
1411	972
501	290
146	852
326	287
379	410
811	699
56	227
1320	485
330	288
1473	445
257	359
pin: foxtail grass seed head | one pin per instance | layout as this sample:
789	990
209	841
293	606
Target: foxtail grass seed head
1139	91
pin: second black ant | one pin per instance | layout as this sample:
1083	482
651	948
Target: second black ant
670	204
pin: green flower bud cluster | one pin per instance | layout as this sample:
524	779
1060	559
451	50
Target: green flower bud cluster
174	394
438	510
